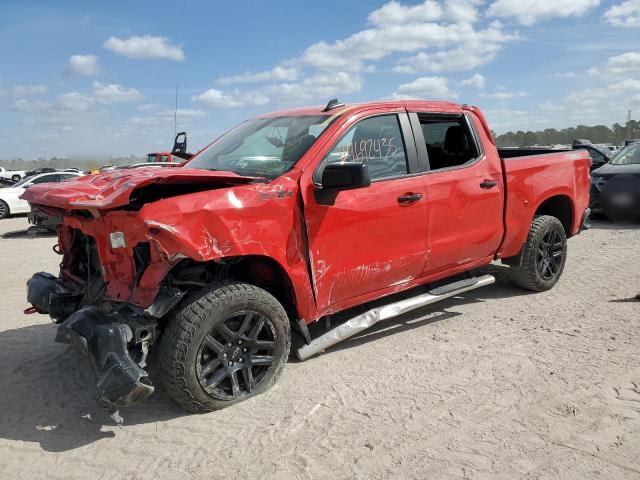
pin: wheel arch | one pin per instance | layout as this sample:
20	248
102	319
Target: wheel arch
561	207
260	270
265	272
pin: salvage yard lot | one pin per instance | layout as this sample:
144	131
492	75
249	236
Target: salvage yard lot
497	383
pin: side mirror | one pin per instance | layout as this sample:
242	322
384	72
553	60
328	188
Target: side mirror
345	176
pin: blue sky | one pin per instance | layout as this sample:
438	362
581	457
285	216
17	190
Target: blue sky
98	78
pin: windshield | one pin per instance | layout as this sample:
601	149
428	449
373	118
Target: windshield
263	147
629	155
151	157
21	182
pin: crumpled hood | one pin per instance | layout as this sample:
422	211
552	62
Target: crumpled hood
113	189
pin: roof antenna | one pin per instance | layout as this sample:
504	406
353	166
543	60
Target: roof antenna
175	115
333	103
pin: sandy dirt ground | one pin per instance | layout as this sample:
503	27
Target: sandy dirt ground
498	383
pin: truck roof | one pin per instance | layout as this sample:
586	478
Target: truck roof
357	107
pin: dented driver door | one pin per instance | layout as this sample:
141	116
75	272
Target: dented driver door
367	239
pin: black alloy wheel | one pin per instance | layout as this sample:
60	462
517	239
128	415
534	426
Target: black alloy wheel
550	257
235	356
223	344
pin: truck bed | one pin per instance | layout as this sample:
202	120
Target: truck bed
507	153
527	186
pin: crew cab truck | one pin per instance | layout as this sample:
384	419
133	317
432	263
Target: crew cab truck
286	219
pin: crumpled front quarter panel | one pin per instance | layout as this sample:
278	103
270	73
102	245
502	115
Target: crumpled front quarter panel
255	219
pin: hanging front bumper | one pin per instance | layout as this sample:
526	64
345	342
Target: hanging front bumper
103	340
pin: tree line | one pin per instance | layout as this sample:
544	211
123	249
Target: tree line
615	135
83	163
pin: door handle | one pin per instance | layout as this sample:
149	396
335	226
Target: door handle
409	198
488	183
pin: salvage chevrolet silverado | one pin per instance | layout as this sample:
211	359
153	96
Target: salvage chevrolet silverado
287	219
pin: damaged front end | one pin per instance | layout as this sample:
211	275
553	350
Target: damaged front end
116	343
108	301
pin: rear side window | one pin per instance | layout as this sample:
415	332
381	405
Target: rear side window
376	141
448	140
595	155
46	178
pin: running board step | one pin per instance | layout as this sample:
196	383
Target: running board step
369	318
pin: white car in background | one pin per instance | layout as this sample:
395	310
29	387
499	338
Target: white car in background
13	175
10	201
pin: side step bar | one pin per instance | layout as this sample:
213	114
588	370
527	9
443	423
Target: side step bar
371	317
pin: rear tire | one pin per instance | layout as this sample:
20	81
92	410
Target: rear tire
4	209
224	344
16	178
543	257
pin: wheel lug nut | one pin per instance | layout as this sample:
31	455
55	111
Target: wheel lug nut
230	363
241	360
229	344
244	350
224	355
239	342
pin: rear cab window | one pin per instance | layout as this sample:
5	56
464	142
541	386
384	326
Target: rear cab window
448	140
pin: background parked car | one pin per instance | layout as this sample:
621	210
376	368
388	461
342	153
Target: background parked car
14	175
599	155
10	201
615	187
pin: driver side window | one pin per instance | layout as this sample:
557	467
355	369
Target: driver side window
377	142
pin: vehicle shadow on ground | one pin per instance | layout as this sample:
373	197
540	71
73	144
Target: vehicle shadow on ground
47	387
47	393
606	224
626	300
418	318
31	232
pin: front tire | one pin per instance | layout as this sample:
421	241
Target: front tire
543	257
16	178
4	209
226	343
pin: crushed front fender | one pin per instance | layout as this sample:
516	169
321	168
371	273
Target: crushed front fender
120	381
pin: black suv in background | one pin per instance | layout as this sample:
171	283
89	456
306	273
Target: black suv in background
615	186
599	155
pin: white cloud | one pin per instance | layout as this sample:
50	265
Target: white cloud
26	90
565	75
275	74
145	47
218	99
476	80
353	53
626	63
84	64
625	14
164	117
425	87
114	93
441	35
528	12
30	106
503	95
74	101
394	13
321	85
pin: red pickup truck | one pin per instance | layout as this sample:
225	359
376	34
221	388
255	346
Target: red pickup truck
287	219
